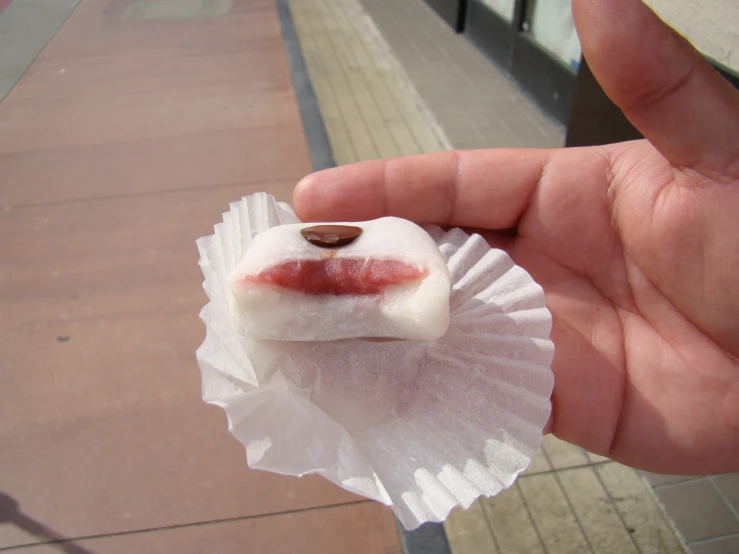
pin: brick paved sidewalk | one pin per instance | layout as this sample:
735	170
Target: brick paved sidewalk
120	145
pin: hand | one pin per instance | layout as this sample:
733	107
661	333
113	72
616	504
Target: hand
636	245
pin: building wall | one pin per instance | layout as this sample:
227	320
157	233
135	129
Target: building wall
711	25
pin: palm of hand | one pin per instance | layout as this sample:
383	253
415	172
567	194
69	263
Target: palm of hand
597	240
635	245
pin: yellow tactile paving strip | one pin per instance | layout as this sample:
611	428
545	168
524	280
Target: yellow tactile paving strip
370	106
568	500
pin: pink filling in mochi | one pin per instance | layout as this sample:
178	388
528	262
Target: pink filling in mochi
339	276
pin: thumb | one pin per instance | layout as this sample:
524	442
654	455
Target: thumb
662	84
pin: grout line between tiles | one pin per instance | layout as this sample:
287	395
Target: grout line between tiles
318	62
489	523
443	51
692	480
411	82
450	64
393	98
723	497
569	503
616	510
665	514
334	100
714	539
412	42
183	525
531	517
365	78
555	470
437	128
11	207
474	127
331	37
127	141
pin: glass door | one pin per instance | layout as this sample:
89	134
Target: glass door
504	8
550	24
535	40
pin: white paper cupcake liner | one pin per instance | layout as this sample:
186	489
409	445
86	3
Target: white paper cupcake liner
421	426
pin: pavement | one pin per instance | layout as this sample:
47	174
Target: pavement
122	142
126	128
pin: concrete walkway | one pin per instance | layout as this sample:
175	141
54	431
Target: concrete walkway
122	143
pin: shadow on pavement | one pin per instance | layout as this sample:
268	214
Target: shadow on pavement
10	513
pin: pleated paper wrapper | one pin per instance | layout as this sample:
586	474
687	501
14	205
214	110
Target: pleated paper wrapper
421	426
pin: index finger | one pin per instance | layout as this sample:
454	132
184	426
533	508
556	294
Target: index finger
485	188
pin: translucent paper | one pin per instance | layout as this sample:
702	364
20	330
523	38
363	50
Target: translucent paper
421	426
